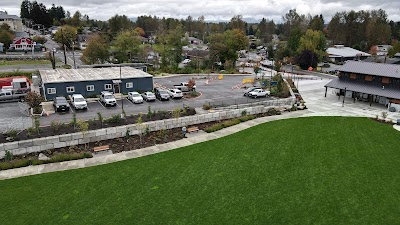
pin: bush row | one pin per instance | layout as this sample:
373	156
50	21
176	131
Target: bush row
56	158
229	123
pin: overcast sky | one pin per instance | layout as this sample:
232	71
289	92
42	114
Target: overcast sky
217	10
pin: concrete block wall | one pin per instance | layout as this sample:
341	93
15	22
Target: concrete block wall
65	140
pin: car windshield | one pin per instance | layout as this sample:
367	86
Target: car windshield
61	100
79	100
150	94
163	92
108	97
135	95
177	91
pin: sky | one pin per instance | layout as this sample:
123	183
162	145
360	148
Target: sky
212	10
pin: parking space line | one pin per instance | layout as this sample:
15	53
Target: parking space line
101	104
130	101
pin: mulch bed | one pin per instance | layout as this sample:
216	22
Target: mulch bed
61	128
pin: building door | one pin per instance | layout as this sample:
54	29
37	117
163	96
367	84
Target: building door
116	88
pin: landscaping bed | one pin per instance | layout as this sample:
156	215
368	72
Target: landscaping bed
73	126
121	144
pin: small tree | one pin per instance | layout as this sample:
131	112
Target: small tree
101	118
176	113
83	127
74	122
149	112
34	99
37	124
191	84
140	127
384	115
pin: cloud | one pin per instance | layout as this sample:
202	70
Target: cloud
213	10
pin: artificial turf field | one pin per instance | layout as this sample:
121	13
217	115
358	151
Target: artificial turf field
318	170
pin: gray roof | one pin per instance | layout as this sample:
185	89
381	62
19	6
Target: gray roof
364	88
90	74
6	16
370	68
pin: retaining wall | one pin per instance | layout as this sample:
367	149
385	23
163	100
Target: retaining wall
59	141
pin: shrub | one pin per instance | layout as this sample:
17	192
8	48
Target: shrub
6	165
244	112
11	133
214	127
33	99
231	122
272	111
74	121
8	156
176	113
30	131
149	112
206	106
246	118
101	118
163	113
21	163
56	126
194	93
114	119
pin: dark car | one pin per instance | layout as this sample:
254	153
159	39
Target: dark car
60	104
161	94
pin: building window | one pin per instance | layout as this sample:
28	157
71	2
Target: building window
51	91
385	80
353	76
71	89
368	78
107	87
129	85
89	87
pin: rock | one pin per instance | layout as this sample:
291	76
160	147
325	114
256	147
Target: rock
43	157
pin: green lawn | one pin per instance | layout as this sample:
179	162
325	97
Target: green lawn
24	62
321	170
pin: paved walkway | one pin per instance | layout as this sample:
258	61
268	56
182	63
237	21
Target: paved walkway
104	159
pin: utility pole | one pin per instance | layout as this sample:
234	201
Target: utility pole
65	55
73	53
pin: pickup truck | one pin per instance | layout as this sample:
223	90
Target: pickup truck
78	101
11	95
258	93
183	86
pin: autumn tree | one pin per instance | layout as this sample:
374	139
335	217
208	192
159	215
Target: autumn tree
66	35
96	51
314	41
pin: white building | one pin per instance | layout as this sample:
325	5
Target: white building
340	53
13	21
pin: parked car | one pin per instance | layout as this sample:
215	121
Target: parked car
148	96
60	104
78	101
183	86
161	94
135	97
107	98
258	93
186	61
175	93
246	93
12	95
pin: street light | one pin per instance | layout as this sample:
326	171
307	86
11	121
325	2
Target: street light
53	61
73	53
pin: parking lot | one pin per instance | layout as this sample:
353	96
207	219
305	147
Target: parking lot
214	91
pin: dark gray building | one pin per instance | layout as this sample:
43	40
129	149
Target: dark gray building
92	81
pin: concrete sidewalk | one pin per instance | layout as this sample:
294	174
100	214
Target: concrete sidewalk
99	160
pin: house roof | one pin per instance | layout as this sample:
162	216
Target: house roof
18	41
90	74
382	59
4	15
342	51
370	68
364	88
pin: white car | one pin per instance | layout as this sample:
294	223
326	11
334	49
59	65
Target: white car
78	101
186	61
107	98
135	97
258	93
175	93
149	96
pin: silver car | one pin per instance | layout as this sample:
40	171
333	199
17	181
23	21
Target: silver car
135	97
175	93
149	96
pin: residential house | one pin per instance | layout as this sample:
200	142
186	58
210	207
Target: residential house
340	53
22	44
383	49
13	21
